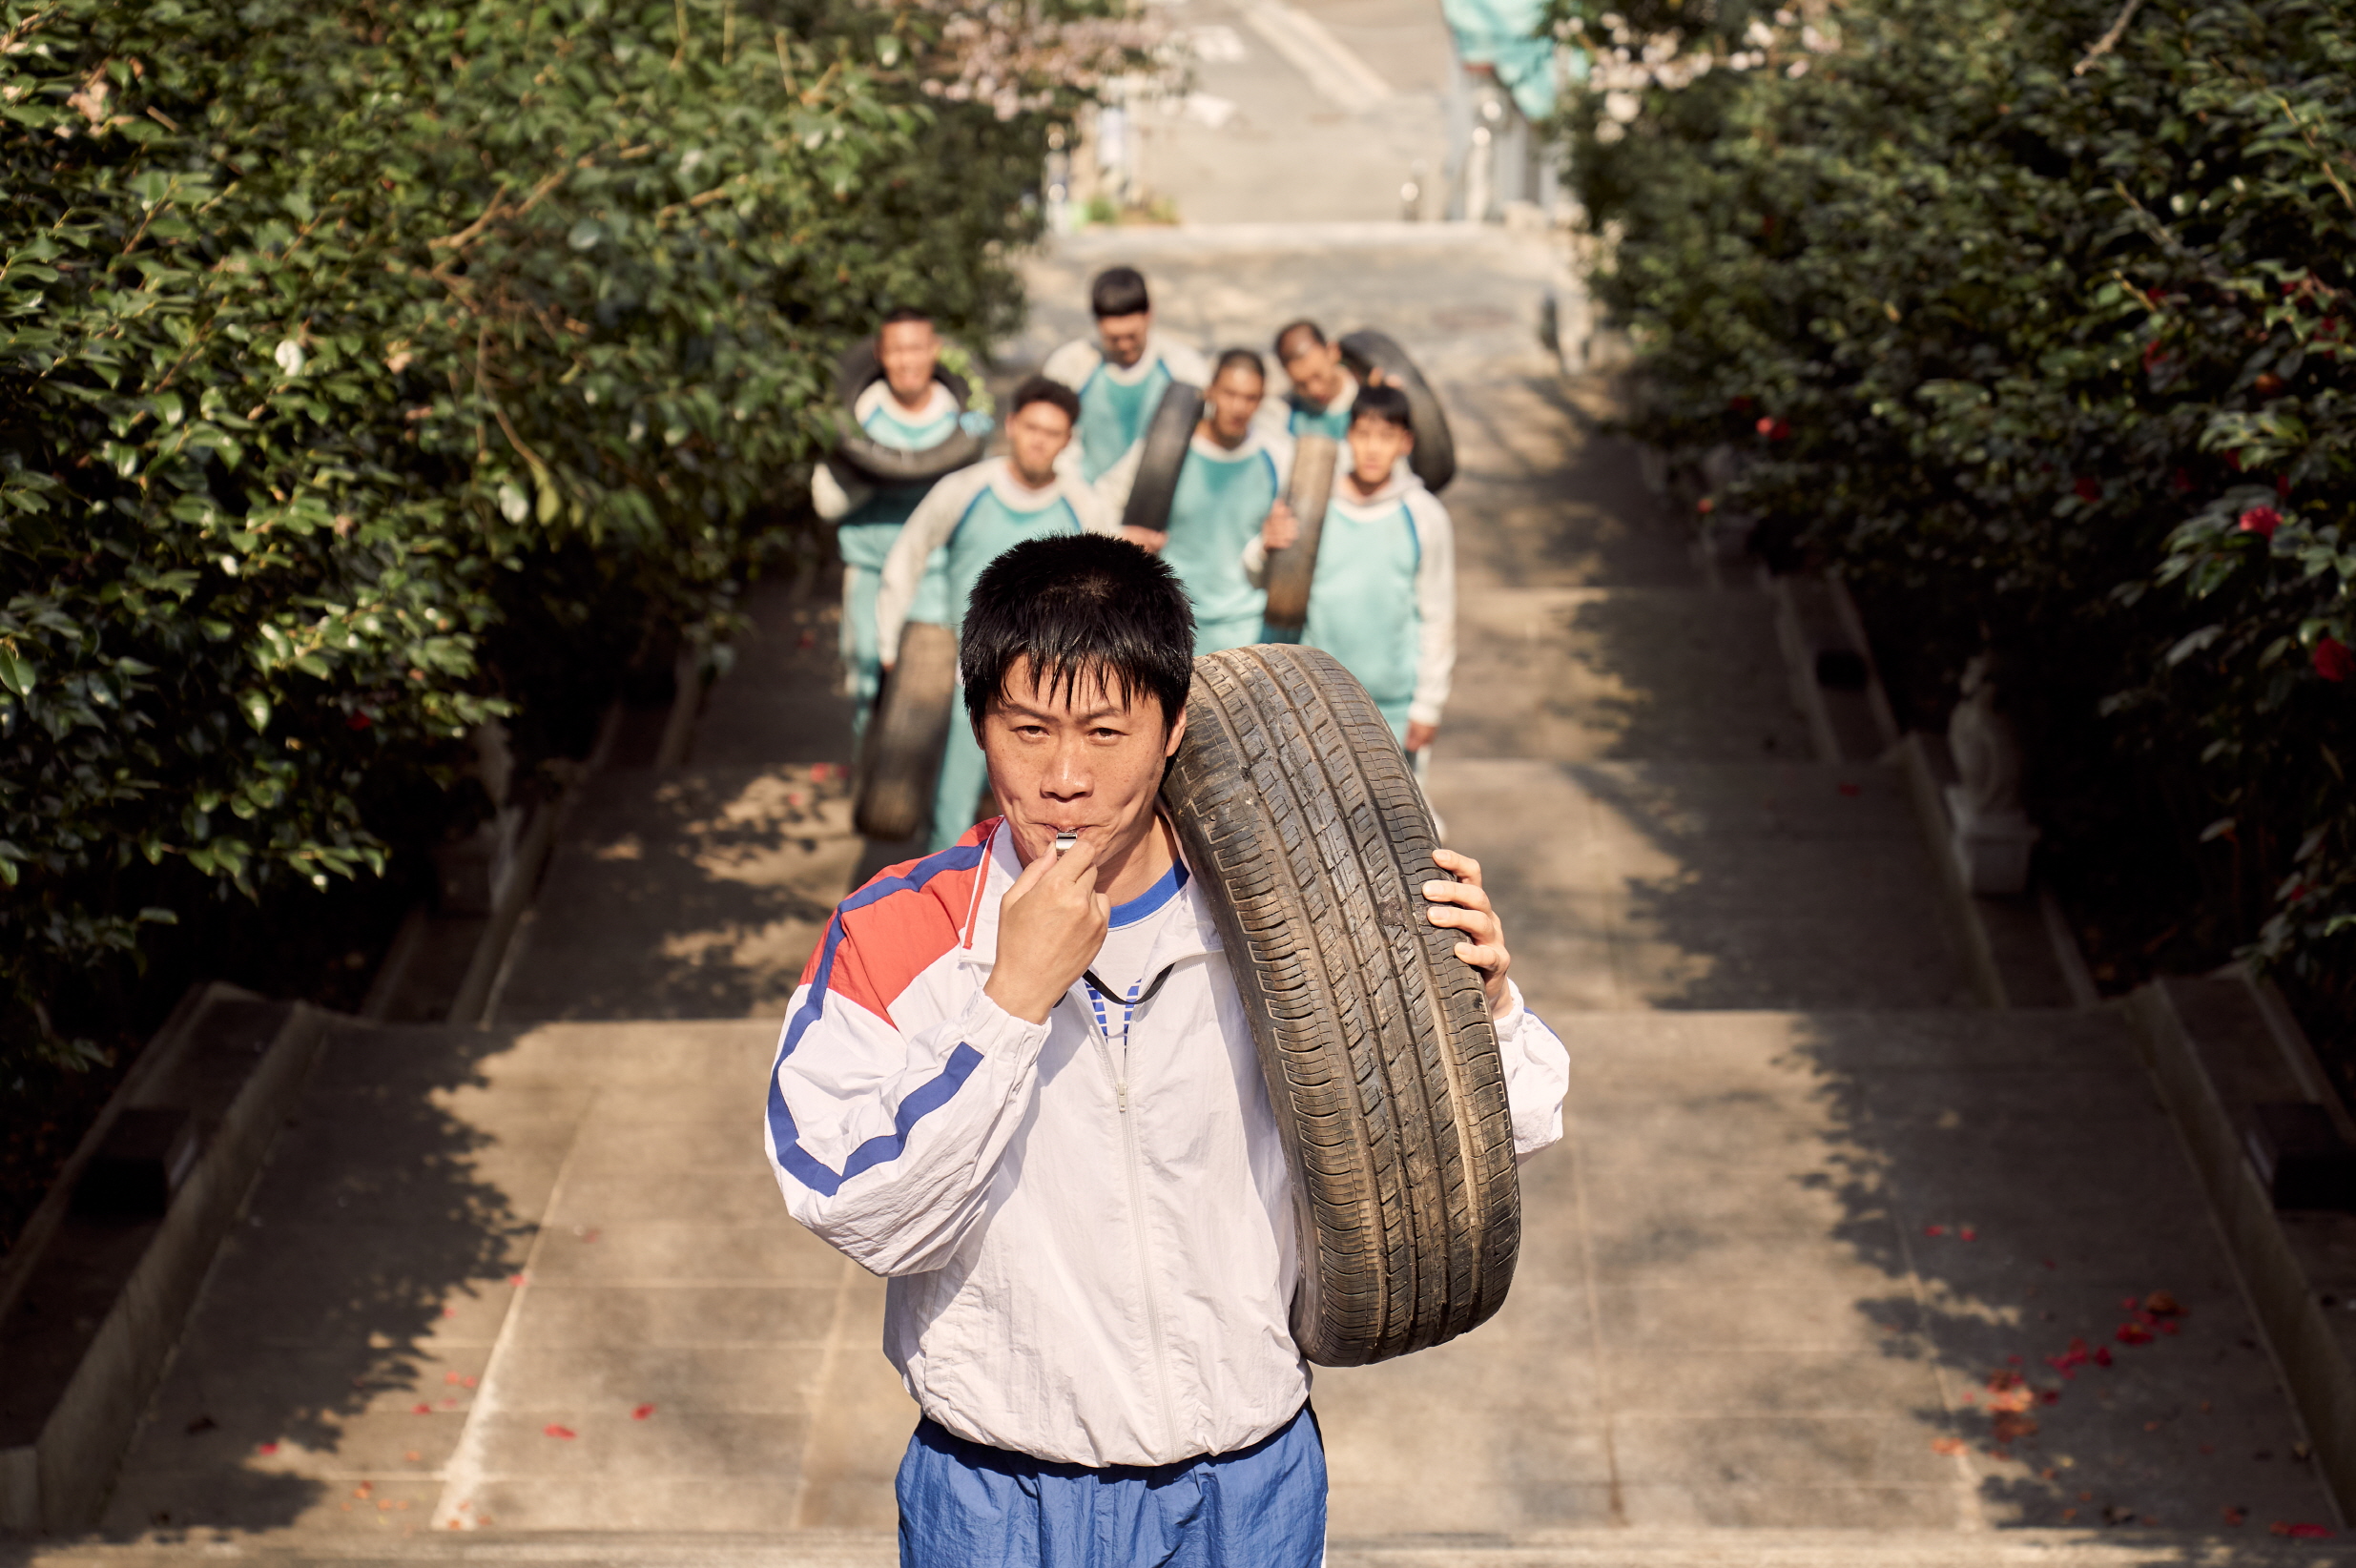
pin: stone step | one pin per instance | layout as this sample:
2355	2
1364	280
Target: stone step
691	894
1580	674
1706	884
1549	1549
1764	1283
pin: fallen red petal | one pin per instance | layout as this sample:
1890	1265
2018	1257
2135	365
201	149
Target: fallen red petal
1934	1231
265	1448
552	1430
420	1410
642	1413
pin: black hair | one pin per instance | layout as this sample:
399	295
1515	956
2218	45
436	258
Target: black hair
1387	403
905	313
1244	356
1304	325
1041	389
1080	608
1119	291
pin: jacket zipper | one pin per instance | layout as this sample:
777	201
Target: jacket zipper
1137	1214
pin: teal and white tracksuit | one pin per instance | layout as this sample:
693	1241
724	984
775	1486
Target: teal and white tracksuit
1384	597
969	520
1223	497
1296	417
1116	405
867	521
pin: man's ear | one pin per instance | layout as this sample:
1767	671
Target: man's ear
1177	733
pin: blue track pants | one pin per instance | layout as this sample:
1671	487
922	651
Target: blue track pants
963	1505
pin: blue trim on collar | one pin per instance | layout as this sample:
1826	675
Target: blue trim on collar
1152	899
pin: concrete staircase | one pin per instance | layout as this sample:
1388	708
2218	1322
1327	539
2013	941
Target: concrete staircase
525	1294
1554	1549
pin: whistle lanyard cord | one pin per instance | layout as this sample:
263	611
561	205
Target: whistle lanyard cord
1100	992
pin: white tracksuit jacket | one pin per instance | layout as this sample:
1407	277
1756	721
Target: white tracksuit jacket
1091	1261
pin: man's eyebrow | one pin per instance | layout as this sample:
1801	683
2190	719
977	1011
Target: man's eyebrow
1009	706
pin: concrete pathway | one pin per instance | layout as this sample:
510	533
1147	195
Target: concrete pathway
1806	1282
1817	1238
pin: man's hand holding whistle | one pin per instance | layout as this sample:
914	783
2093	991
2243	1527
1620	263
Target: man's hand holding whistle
1049	928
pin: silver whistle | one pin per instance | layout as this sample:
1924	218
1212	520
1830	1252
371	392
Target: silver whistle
1065	842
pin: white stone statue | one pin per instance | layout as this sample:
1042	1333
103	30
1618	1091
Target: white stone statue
1986	746
1990	834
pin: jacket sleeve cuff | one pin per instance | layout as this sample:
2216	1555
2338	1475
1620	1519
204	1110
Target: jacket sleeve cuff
1426	713
1507	1020
1010	1044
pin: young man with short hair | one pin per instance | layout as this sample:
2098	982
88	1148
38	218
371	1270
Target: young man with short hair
1122	376
1232	477
969	519
909	410
1323	390
1383	598
1021	1085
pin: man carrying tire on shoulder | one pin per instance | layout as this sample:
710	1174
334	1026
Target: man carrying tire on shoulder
1232	479
968	520
1383	600
1020	1083
1121	377
907	409
1323	390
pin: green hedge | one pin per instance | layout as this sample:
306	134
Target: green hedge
337	337
2038	321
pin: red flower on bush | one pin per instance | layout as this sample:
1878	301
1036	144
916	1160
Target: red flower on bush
2153	355
2089	491
1706	505
2262	521
2333	661
356	721
1774	429
2181	482
1741	406
2282	485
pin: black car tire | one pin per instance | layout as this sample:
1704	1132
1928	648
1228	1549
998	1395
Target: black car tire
1167	438
899	756
1434	457
1297	810
877	463
1316	459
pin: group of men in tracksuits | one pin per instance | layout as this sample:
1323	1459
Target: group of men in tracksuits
1019	1078
1383	597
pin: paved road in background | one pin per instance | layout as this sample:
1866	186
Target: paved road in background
1287	123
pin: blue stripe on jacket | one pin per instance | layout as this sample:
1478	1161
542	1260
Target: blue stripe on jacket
929	1097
